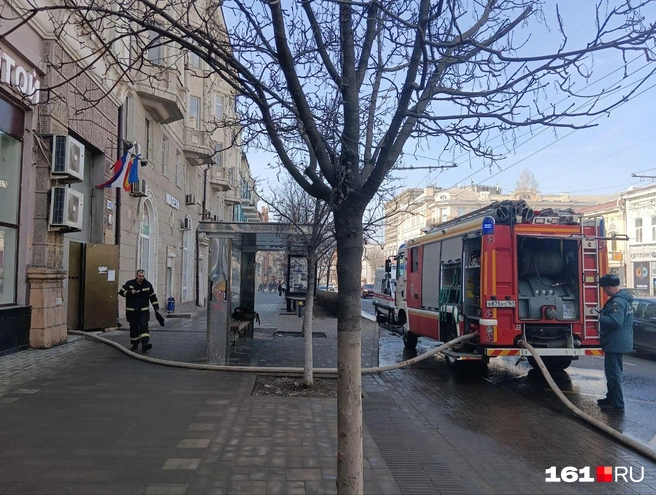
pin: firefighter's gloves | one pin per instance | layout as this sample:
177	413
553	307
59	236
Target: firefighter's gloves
160	318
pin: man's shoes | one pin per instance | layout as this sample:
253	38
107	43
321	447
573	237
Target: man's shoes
603	401
146	347
610	407
135	347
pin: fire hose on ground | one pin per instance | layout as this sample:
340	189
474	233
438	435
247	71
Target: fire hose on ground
629	442
268	369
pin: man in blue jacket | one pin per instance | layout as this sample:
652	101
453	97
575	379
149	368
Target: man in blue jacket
616	337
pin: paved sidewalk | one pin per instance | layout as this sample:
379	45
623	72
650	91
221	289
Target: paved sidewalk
85	418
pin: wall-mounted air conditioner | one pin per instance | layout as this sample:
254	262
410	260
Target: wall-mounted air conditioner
190	199
66	208
67	159
139	188
185	224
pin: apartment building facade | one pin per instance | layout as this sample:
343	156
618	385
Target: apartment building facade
67	246
418	208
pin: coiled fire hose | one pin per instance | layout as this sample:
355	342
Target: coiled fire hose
267	369
629	442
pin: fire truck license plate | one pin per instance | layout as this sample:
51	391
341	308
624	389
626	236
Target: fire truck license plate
501	304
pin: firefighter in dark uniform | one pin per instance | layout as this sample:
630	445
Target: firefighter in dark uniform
139	293
616	338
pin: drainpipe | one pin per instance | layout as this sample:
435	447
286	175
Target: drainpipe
120	145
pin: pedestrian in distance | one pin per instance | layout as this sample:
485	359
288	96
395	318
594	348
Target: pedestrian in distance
616	337
139	294
279	288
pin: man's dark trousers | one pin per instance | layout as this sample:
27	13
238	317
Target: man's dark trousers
138	321
613	368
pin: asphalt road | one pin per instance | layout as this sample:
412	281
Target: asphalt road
583	383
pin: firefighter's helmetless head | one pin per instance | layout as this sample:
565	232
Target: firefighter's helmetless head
610	284
141	276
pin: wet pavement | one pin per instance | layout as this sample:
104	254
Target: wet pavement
85	418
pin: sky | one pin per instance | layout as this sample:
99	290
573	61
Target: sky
597	161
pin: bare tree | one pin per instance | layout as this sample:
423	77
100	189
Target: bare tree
527	182
338	88
292	204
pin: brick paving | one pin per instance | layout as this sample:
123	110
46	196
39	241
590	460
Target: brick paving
85	418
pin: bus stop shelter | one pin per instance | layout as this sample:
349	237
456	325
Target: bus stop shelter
231	270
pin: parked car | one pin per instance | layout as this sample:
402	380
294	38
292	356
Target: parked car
644	324
367	290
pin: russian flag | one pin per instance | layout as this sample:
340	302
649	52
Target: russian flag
126	172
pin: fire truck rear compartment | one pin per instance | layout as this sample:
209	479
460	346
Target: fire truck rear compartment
548	289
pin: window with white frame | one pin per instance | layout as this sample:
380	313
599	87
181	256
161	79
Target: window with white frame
194	112
653	228
165	155
638	229
187	264
155	48
195	61
145	234
218	155
218	107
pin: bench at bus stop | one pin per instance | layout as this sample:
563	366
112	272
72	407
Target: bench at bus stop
242	323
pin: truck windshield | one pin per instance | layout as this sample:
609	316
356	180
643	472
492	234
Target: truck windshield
400	265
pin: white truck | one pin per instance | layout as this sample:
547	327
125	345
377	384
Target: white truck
384	294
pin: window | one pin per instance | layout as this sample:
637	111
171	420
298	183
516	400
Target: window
194	112
187	264
155	48
650	311
165	155
145	241
613	243
194	60
638	229
177	167
218	155
149	131
10	167
653	228
218	110
461	212
414	259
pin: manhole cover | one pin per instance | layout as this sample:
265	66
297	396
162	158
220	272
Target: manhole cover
321	335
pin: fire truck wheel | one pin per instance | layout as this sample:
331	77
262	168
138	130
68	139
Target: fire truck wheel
410	339
554	364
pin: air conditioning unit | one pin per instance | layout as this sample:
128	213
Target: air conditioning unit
67	158
190	199
139	188
66	208
185	224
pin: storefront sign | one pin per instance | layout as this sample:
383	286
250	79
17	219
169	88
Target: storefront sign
15	76
641	275
643	253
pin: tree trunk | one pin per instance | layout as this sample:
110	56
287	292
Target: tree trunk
308	377
349	235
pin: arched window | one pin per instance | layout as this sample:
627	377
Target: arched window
146	245
188	254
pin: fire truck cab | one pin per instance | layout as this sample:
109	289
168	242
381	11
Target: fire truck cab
507	273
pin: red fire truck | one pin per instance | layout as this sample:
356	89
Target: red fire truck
510	274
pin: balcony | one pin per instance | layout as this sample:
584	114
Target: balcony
197	147
218	179
232	197
160	90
